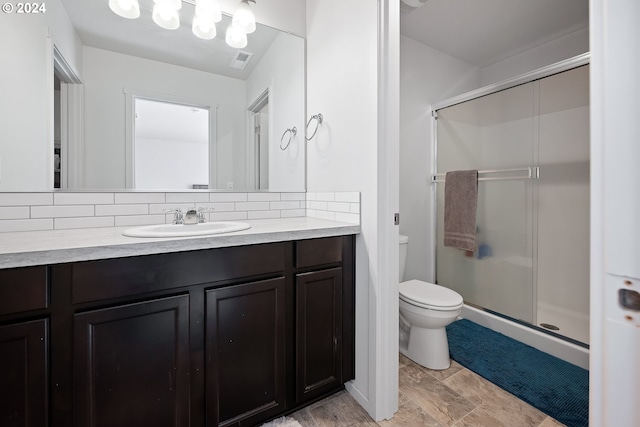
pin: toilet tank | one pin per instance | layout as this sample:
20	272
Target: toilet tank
404	244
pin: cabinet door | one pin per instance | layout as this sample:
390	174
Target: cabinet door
245	347
318	333
23	374
131	365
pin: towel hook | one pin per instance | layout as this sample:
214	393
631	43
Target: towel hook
292	132
318	118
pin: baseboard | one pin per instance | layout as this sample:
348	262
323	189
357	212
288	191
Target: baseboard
358	396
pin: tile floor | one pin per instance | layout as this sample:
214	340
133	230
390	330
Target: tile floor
455	397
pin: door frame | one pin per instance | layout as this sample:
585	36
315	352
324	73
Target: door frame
252	178
71	120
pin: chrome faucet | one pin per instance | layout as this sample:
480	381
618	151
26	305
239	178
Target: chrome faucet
178	217
191	216
201	218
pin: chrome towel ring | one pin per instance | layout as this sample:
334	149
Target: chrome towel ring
318	118
292	132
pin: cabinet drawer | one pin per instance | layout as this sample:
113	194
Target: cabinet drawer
312	252
97	280
23	289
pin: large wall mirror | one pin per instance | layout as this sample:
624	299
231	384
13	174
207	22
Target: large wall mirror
79	81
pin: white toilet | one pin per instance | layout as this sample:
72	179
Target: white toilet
425	310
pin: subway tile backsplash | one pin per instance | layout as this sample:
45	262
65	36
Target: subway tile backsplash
337	206
26	199
127	198
26	224
49	211
83	198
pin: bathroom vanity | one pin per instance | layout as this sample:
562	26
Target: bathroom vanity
225	336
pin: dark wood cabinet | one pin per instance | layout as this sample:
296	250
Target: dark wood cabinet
23	374
131	365
245	347
318	326
225	337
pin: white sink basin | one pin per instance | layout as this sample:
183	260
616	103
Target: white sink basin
181	230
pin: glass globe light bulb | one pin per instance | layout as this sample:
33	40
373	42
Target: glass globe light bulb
243	18
203	27
165	16
235	37
129	9
210	9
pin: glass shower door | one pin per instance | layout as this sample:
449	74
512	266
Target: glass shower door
495	135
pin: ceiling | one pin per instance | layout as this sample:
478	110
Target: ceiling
483	32
98	26
478	32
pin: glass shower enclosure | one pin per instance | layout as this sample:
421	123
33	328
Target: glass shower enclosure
530	144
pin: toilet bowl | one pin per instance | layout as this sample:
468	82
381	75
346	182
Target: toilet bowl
425	310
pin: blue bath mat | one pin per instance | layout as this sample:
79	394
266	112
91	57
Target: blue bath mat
555	387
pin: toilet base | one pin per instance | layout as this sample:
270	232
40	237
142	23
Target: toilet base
428	348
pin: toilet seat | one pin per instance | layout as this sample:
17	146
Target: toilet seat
429	295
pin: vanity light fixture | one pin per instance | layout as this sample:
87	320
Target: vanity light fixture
203	27
207	13
243	17
165	13
204	21
235	37
210	8
243	23
129	9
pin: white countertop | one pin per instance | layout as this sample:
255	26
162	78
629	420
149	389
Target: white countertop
28	248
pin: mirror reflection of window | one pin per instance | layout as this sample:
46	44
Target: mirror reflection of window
171	145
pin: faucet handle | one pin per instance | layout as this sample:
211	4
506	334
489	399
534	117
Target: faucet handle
201	211
178	218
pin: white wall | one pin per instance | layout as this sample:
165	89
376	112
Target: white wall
342	84
26	79
427	76
64	35
107	74
281	70
570	45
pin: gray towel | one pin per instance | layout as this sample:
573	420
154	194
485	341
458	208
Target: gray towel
460	205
